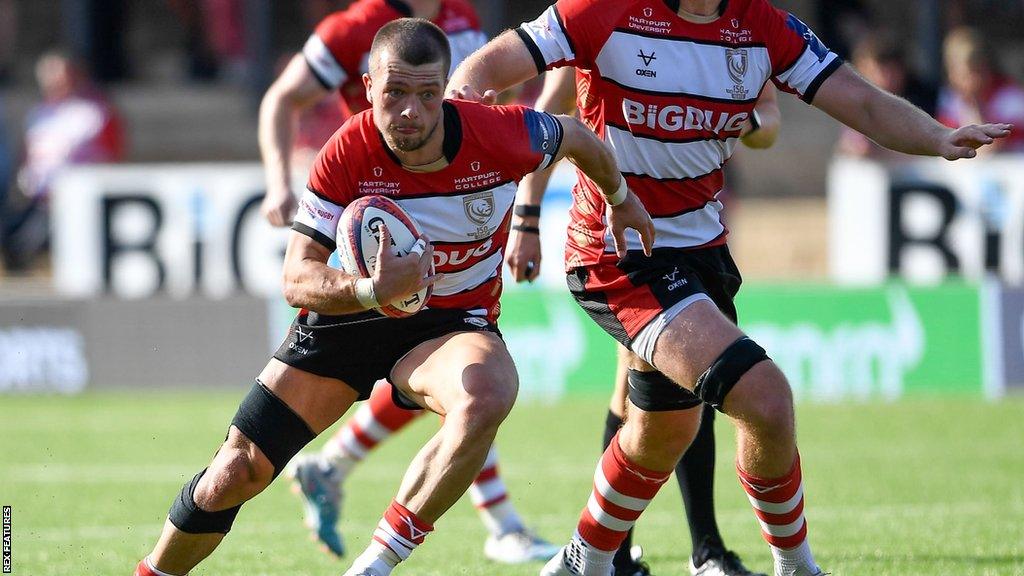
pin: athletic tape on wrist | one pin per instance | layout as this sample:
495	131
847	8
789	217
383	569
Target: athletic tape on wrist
620	195
418	248
365	293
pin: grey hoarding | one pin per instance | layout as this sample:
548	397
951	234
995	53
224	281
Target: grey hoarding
65	346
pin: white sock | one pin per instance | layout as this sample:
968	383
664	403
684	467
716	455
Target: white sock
795	561
376	556
341	462
151	566
586	560
501	518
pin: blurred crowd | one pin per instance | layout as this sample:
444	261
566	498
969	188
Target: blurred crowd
74	123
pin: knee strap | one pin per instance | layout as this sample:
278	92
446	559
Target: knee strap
190	518
716	382
272	426
655	392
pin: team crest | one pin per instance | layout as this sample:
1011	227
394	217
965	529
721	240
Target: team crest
735	22
474	166
648	12
479	209
378	171
736	63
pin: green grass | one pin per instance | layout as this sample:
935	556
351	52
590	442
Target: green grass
920	487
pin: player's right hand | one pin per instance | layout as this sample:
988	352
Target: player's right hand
523	255
278	207
965	141
630	214
467	92
397	277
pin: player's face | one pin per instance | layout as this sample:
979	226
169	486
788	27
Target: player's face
406	101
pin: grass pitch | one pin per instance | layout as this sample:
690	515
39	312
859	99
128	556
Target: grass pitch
914	488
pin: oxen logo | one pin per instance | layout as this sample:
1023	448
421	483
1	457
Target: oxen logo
736	64
479	209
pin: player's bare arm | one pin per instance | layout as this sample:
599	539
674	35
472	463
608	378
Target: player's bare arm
597	160
311	284
762	129
895	123
502	63
295	89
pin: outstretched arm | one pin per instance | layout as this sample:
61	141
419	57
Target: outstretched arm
502	63
896	124
295	89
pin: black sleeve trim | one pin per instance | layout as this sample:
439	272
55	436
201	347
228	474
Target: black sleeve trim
565	33
538	58
315	235
322	196
327	86
560	138
834	65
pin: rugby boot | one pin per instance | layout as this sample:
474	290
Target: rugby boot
633	566
714	561
316	482
518	547
569	561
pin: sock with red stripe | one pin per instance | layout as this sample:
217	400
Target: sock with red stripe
398	533
374	421
779	506
622	490
490	498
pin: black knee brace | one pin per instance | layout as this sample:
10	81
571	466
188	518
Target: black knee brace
654	392
190	518
272	426
716	382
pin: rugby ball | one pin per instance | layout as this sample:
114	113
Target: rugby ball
359	238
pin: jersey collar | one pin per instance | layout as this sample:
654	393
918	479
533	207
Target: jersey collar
673	5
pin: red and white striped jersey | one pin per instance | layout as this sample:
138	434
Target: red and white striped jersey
337	52
670	96
465	208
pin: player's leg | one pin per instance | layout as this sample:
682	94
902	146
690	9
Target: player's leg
282	413
729	371
470	380
509	540
319	477
624	560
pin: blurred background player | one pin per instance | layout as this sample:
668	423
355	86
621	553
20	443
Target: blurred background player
880	59
74	124
332	62
696	469
977	88
675	310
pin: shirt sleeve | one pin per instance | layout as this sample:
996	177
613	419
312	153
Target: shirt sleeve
535	138
324	50
562	34
326	195
800	62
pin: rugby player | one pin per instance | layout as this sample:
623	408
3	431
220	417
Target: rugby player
332	61
669	84
453	167
695	471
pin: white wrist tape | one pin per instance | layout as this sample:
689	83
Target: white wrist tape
365	294
620	195
418	248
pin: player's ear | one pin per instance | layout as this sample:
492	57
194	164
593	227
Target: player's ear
368	84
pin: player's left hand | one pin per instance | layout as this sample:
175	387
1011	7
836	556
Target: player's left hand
965	141
467	92
630	214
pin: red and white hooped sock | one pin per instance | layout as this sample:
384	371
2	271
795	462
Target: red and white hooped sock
622	490
490	497
399	532
779	506
374	420
146	568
